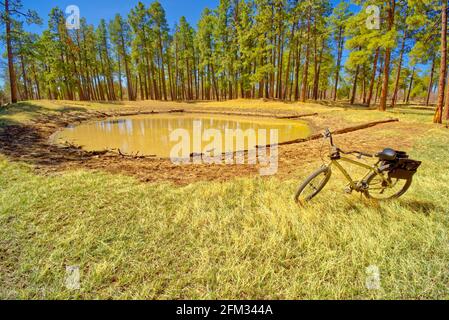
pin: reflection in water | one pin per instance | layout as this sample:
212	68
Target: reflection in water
150	134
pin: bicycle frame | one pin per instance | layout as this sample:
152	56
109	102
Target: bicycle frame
371	168
336	156
367	186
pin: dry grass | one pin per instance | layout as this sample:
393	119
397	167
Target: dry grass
244	238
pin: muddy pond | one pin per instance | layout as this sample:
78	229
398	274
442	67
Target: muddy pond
158	134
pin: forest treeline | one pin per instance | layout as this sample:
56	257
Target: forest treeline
274	49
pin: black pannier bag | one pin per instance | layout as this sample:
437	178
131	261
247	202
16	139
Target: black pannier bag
403	167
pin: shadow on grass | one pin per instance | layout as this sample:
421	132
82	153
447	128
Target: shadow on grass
411	113
425	207
415	106
81	102
5	122
358	205
23	107
411	109
344	105
21	142
36	110
66	109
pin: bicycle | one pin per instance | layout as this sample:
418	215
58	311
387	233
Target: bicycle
390	178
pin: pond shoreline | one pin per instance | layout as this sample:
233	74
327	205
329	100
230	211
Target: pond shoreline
147	134
30	143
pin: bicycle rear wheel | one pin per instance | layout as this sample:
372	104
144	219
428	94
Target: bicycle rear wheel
313	185
379	189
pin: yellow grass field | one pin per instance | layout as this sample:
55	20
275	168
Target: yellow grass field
242	237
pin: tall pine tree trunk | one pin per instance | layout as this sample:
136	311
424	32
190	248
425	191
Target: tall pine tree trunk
120	77
339	58
373	78
315	65
438	118
306	64
354	86
12	72
318	73
429	90
287	72
412	79
298	67
36	80
446	112
384	95
164	86
128	73
25	79
398	76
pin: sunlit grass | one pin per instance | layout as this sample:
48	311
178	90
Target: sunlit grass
245	238
241	239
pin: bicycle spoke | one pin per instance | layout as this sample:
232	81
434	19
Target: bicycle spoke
385	189
314	186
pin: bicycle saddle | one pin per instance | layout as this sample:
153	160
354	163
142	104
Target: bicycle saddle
387	155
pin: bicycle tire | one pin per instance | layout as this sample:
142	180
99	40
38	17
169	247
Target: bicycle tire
405	188
326	172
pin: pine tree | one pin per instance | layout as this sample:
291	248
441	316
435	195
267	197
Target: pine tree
159	28
390	35
338	20
104	49
12	12
272	49
206	46
121	38
438	118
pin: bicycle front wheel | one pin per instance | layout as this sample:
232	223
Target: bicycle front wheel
313	185
381	190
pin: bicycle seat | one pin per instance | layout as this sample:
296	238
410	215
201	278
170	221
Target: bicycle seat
387	155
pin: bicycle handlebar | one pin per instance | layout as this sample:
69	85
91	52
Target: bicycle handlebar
361	154
328	135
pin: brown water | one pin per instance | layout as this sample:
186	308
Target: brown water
150	134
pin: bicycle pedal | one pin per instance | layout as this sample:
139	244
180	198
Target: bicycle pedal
348	190
363	186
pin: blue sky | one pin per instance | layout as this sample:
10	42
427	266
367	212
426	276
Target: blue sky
94	10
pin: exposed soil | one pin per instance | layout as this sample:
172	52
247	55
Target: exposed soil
31	143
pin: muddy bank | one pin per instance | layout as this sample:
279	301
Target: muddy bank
31	143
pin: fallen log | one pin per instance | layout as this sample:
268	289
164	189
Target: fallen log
250	114
137	113
160	112
102	114
176	111
298	116
230	113
336	132
98	153
132	156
